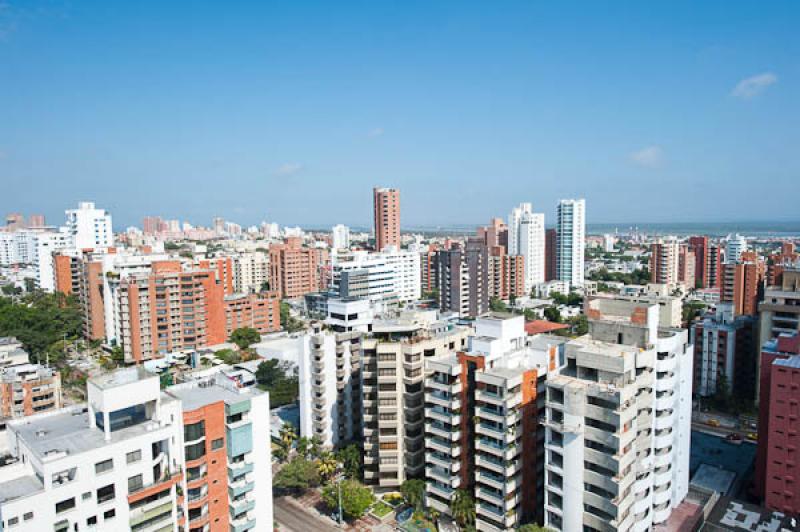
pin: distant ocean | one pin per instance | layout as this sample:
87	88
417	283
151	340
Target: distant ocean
751	229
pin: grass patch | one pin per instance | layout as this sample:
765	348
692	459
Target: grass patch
381	509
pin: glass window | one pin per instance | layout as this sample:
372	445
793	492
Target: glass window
106	493
194	431
105	465
133	456
65	505
134	483
217	444
195	451
109	514
28	516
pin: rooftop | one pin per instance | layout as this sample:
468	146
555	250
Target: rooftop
734	516
543	326
121	377
20	487
714	478
194	395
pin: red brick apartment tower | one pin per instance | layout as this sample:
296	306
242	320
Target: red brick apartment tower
261	312
293	269
532	496
743	284
777	475
36	220
386	206
550	243
206	468
699	246
65	268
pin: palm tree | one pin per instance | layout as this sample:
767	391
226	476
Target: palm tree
462	508
288	435
326	465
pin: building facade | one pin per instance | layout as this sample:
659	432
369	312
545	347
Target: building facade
571	240
386	213
294	270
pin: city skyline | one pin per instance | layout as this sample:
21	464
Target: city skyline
444	103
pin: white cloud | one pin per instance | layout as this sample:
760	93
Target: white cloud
377	132
649	157
287	169
754	85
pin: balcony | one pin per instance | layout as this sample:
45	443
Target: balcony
240	488
443	431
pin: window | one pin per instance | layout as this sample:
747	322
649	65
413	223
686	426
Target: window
109	514
195	451
87	495
217	444
106	493
65	505
13	521
133	456
91	521
194	431
134	483
105	465
28	516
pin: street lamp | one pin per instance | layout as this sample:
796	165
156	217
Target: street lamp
339	477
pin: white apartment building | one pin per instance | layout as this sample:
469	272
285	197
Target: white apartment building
122	461
482	423
34	247
393	398
619	422
570	240
340	237
526	238
89	226
250	271
389	275
734	246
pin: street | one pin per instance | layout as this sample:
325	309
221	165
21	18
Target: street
292	518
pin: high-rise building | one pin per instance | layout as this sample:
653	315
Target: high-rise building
780	307
618	422
775	479
494	234
386	209
15	221
393	395
464	279
526	238
389	276
151	225
90	227
429	270
250	271
743	283
699	245
725	346
137	458
571	240
686	266
294	270
550	250
735	245
483	413
340	237
664	261
36	221
506	274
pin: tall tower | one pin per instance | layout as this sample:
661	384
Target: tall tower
526	238
89	226
570	240
386	208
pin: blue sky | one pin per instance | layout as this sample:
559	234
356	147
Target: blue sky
291	111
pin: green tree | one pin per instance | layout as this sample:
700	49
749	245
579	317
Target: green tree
529	314
356	498
39	320
462	508
413	491
279	380
350	457
303	446
244	337
298	475
552	314
265	286
228	356
288	322
497	305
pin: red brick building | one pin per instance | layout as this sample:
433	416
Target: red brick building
293	269
777	474
386	206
